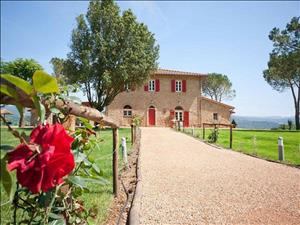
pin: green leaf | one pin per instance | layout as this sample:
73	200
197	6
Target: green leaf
82	181
78	181
5	177
8	91
40	108
54	110
44	83
45	199
87	162
96	169
18	82
55	216
79	157
86	123
6	147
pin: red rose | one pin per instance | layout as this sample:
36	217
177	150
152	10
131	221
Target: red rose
43	163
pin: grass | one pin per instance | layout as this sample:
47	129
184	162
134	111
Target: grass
100	195
261	143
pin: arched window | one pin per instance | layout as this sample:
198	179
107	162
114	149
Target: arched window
127	111
178	113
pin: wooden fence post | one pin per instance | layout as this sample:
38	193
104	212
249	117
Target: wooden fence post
115	161
230	144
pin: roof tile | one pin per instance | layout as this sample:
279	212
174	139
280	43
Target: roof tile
176	72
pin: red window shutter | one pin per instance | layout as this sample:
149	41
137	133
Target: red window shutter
173	85
186	119
157	87
172	114
146	87
183	85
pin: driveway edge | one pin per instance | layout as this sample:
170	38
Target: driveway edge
134	213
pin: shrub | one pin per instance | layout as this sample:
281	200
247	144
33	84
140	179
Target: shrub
137	120
213	136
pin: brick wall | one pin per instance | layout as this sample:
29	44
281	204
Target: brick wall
209	107
163	101
200	109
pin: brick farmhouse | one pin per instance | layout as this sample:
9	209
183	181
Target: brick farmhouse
167	97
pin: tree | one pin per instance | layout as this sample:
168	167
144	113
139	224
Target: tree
218	87
284	64
58	67
23	68
109	50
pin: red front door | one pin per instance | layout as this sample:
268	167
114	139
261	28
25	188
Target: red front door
151	113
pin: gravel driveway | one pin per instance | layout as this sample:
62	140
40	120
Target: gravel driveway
185	181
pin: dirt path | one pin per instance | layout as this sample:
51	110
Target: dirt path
185	181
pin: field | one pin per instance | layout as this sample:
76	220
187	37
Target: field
99	195
261	143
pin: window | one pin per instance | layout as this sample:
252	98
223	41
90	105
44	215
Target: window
179	113
178	85
178	116
215	116
151	85
127	111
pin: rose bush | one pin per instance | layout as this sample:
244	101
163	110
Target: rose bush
45	160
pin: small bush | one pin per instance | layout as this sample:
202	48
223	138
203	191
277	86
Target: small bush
213	136
137	120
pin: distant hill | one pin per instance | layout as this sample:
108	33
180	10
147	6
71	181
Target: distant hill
251	122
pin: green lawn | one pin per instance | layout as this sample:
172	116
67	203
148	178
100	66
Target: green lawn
101	196
262	143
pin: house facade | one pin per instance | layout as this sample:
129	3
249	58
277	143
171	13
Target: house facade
167	97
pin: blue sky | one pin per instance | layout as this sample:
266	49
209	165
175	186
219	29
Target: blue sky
224	37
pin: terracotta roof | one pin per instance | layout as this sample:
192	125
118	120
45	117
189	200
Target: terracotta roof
176	72
216	102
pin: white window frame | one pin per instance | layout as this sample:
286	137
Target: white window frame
151	86
127	112
179	115
178	85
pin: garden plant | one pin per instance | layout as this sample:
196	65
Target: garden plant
52	164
